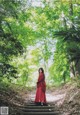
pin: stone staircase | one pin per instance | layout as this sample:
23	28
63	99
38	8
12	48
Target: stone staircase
32	109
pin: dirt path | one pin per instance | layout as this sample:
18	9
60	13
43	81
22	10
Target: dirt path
49	96
65	98
51	109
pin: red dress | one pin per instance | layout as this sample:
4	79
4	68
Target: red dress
41	89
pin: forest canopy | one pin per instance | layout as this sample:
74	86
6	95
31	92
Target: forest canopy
39	33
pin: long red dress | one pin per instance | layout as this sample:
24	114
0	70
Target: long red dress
41	89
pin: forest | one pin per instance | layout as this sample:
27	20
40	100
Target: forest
39	33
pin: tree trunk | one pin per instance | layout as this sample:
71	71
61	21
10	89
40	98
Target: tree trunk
72	70
77	67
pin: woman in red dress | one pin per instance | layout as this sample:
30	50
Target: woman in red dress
40	98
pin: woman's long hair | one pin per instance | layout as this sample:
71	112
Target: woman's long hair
42	71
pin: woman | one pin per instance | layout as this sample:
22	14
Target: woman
40	98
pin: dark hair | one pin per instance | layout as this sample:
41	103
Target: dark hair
41	70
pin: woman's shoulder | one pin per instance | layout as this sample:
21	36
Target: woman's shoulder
42	74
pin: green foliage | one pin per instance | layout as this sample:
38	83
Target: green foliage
31	36
69	33
9	44
59	71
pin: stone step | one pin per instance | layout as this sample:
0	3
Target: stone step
32	109
37	110
33	103
38	107
38	113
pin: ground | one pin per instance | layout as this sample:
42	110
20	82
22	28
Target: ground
65	97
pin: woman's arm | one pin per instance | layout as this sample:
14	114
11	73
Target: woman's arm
41	78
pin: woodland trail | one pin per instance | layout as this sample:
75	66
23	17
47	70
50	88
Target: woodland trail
63	100
50	97
58	101
31	109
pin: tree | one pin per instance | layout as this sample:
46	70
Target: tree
9	44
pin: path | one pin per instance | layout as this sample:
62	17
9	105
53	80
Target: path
51	97
31	109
